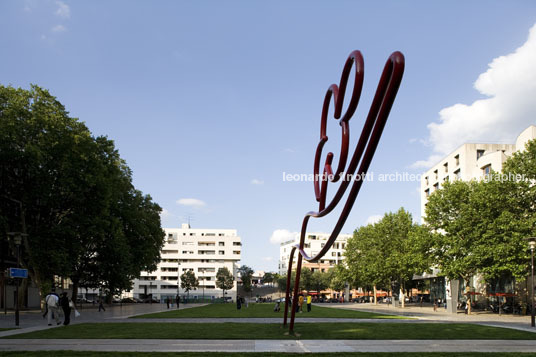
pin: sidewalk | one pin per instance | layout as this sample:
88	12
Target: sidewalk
303	346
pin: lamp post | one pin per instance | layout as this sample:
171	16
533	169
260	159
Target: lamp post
151	290
532	245
17	239
178	284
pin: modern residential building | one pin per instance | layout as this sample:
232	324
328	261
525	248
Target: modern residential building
313	243
202	251
467	162
471	161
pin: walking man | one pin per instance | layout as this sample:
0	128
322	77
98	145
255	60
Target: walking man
52	302
309	301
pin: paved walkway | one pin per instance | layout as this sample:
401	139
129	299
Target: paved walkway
33	321
303	346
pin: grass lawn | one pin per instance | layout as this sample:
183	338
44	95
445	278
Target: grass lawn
7	329
252	354
264	310
305	331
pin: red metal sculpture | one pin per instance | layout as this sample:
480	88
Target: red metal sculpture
362	157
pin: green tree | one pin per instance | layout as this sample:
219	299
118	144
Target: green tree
189	282
388	252
482	225
319	281
72	195
246	273
268	278
224	280
306	279
338	277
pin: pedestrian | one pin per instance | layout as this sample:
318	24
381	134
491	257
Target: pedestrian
178	300
300	303
238	302
309	301
167	302
52	302
435	304
277	307
66	307
101	305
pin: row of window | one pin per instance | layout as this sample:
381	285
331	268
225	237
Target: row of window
201	252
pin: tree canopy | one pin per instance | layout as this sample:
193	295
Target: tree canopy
73	196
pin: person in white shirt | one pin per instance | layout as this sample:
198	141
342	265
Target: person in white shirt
52	302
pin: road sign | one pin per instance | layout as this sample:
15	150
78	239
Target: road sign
18	273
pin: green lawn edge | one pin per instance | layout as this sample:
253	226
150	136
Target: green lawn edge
304	331
264	311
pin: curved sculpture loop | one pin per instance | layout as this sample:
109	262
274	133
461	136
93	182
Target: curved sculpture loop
359	162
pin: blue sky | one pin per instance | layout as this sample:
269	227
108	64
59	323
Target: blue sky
210	102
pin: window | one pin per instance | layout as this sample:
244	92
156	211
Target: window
221	252
237	243
426	180
457	159
221	244
236	252
446	166
210	234
458	174
486	170
170	252
479	154
446	179
436	187
322	245
435	173
220	234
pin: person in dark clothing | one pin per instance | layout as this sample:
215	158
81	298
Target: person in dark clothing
64	303
101	305
238	302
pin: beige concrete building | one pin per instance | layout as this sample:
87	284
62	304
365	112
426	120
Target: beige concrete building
313	243
202	251
471	161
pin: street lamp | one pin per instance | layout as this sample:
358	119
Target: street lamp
532	245
151	290
17	239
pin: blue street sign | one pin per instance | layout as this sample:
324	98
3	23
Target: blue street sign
18	273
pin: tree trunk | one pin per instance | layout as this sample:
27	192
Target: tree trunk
402	296
375	297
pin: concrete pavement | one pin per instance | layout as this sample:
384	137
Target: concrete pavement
303	346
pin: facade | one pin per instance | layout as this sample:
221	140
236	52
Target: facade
467	162
202	251
471	161
313	243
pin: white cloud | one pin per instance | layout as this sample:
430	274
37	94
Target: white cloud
374	219
431	161
165	213
191	202
63	10
59	28
510	85
257	182
282	235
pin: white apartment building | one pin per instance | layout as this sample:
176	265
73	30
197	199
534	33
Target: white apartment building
313	243
202	251
471	161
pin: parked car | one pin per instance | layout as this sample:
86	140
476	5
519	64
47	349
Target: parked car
128	300
148	300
